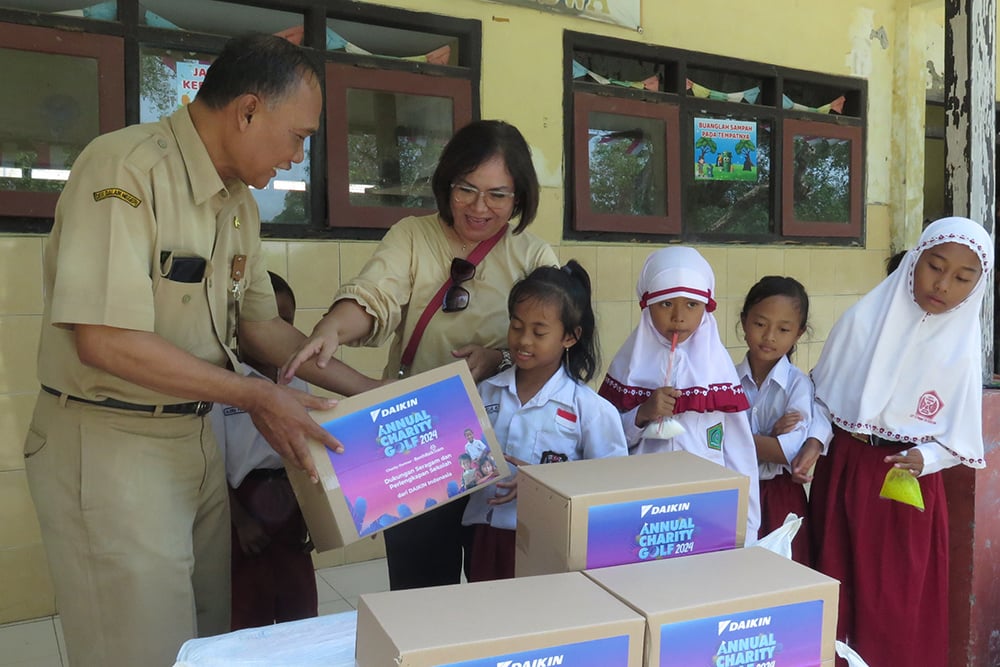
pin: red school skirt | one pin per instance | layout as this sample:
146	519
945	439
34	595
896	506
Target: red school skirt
778	497
891	558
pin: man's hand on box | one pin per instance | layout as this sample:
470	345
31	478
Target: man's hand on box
281	415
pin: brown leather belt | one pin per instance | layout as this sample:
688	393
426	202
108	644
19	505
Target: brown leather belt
199	408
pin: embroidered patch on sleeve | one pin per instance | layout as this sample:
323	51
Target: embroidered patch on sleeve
118	193
715	435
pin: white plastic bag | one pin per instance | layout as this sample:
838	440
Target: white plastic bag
850	655
780	540
663	429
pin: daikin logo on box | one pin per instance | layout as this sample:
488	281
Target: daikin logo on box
550	661
667	508
399	407
732	626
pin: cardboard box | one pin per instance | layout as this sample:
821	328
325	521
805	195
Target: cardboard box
403	451
601	512
740	607
562	619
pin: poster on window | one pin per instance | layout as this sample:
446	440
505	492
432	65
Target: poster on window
725	149
619	12
190	74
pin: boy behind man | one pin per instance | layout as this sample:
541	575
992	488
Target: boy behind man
272	571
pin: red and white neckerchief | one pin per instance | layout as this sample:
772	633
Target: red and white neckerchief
891	369
703	370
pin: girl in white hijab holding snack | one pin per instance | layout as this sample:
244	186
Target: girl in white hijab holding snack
673	380
900	378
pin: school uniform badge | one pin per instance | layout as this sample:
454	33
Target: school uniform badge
549	456
928	406
713	436
118	193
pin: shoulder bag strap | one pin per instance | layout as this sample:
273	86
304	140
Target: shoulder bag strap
475	257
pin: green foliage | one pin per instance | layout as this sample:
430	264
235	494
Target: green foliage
822	179
414	157
621	182
731	205
25	160
157	84
705	145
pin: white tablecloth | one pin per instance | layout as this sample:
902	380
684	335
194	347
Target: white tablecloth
325	641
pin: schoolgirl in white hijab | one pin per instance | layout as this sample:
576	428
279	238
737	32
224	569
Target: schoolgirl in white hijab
900	377
710	396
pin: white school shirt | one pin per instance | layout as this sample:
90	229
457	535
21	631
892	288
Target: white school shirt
243	447
785	389
564	419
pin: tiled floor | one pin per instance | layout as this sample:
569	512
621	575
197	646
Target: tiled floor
38	643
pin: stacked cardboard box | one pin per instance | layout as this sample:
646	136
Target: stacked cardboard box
602	512
562	619
746	607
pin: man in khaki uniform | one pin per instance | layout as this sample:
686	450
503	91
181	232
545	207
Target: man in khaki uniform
152	268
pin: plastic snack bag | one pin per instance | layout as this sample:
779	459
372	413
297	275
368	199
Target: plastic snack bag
903	487
664	429
780	539
850	655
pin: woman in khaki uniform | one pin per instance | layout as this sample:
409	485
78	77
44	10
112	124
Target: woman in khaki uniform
154	254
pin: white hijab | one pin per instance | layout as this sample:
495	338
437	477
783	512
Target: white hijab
703	369
891	369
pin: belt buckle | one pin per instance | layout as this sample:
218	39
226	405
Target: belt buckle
202	408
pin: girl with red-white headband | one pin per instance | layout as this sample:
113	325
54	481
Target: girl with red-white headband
677	336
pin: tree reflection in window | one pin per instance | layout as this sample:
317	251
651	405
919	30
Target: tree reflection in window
394	140
822	179
739	207
44	132
627	165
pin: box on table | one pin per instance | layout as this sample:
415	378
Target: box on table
739	607
560	619
403	447
601	512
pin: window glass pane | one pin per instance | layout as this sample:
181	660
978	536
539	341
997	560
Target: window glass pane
627	164
169	79
394	141
218	18
731	189
50	124
91	9
813	96
821	184
618	68
361	38
724	86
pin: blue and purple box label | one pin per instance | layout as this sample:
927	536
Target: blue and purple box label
607	652
406	455
658	528
786	636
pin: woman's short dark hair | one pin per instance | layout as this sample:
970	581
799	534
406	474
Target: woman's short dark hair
473	145
263	65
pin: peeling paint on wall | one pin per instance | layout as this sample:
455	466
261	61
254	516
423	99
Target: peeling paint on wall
859	59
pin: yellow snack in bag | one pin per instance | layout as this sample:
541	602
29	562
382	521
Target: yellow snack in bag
901	486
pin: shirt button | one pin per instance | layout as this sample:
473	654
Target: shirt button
185	298
162	143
